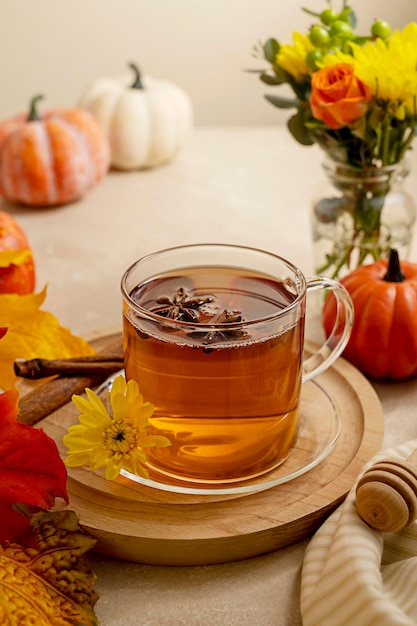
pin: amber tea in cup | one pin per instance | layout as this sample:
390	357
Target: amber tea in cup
213	334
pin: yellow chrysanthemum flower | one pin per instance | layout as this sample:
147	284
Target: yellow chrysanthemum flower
388	68
292	58
116	441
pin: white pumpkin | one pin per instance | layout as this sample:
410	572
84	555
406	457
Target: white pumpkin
146	122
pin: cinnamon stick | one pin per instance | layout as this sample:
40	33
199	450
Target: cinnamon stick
54	393
41	368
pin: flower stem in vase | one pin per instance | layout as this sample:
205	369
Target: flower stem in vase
359	216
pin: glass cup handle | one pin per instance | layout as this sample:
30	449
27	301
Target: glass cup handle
325	356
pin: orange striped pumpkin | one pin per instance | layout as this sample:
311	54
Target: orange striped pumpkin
51	160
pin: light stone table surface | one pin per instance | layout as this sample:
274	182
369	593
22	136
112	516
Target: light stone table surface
249	186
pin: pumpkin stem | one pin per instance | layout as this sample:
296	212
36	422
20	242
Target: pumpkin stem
137	83
33	112
394	273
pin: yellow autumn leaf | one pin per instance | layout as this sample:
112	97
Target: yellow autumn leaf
50	585
14	257
33	333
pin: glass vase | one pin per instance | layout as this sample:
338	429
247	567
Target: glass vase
358	215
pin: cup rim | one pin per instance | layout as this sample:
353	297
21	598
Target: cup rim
178	324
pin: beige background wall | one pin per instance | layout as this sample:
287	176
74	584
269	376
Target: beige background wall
57	47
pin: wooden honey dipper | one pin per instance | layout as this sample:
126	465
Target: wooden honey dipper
386	494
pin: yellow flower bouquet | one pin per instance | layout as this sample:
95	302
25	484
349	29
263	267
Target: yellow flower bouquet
355	97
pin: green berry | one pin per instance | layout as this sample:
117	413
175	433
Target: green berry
313	57
328	16
319	36
381	29
341	29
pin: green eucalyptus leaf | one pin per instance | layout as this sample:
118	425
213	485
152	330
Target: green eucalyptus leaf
281	73
298	130
271	79
360	40
282	103
271	49
349	14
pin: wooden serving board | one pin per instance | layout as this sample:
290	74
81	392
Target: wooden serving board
141	524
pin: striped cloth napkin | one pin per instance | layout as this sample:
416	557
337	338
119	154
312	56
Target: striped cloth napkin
355	576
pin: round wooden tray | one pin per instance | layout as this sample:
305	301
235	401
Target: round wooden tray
141	524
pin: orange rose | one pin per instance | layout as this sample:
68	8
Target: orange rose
338	97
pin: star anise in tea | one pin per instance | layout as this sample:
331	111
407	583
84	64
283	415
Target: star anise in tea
181	306
226	317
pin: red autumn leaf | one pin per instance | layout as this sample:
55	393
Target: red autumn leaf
3	331
31	470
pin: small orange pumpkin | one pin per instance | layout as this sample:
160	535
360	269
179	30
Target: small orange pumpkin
383	343
15	277
51	160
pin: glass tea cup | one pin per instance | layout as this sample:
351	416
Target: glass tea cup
213	335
